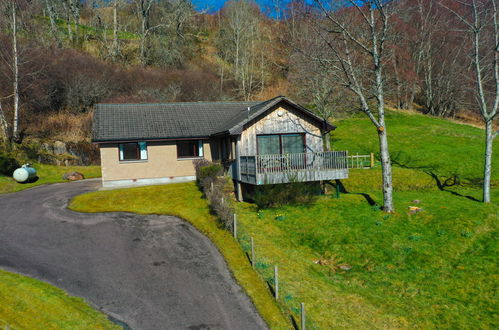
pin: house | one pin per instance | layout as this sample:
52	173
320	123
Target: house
275	141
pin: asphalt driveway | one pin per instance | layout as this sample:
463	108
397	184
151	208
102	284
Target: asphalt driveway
151	272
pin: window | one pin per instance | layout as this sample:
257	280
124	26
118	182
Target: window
133	151
280	144
189	149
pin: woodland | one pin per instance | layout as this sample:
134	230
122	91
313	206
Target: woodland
339	58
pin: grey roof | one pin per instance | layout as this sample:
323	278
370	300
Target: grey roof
124	122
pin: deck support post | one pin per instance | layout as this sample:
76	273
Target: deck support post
337	189
239	191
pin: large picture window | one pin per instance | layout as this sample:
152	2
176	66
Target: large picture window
280	144
133	151
190	149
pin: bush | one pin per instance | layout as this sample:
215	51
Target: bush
276	195
210	171
8	165
217	190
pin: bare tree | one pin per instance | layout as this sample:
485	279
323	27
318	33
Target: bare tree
481	22
15	72
53	17
144	13
354	33
241	43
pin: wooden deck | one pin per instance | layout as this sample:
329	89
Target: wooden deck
298	167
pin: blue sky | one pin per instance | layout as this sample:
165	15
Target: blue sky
214	5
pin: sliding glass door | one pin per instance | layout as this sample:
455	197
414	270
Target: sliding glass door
278	152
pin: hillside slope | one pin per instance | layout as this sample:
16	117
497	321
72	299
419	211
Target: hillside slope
421	142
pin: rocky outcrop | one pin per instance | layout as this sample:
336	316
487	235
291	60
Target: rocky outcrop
73	176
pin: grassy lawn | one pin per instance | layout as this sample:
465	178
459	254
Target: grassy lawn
352	265
421	142
435	268
26	303
47	174
185	201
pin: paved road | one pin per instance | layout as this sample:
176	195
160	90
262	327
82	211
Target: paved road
151	272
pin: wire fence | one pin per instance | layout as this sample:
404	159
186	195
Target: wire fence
271	275
5	326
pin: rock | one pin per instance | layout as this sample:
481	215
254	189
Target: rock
345	267
59	148
47	147
73	176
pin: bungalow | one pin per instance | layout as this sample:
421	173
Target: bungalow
275	141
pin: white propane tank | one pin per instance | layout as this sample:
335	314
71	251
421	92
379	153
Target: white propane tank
24	173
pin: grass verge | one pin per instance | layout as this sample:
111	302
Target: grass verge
26	303
356	267
185	201
47	174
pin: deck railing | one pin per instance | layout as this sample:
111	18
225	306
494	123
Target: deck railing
278	163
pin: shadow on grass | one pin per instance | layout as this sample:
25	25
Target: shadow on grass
454	180
449	182
32	180
344	190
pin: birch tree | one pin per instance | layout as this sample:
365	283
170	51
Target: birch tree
143	8
481	22
354	34
241	43
53	17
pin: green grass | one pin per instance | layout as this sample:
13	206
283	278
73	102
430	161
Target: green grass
433	269
184	200
26	303
419	141
47	174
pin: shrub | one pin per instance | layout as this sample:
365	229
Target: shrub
8	165
217	190
210	171
276	195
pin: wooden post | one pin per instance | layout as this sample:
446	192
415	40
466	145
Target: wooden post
234	226
372	159
276	282
252	253
239	191
337	189
303	316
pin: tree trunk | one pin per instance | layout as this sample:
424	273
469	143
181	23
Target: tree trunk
327	141
53	26
15	126
489	139
114	52
386	168
3	126
143	60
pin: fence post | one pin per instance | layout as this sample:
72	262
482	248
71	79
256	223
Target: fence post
372	159
303	316
252	253
234	227
276	282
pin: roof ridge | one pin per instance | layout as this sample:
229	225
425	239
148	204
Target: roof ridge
187	102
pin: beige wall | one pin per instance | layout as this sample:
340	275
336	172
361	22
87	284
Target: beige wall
162	162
